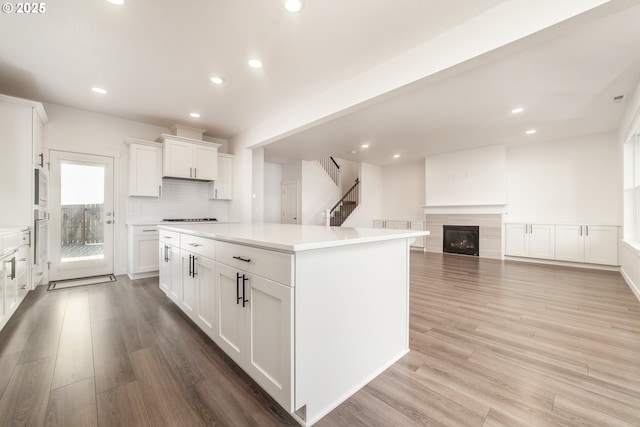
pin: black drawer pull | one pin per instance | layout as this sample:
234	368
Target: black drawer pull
241	259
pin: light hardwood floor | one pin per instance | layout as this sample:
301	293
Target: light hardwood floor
493	343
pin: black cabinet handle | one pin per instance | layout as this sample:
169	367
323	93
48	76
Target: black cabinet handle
242	259
238	297
41	155
195	273
244	289
13	269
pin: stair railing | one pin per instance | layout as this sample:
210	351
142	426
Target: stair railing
352	197
332	168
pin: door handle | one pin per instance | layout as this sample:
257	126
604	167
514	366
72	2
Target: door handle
109	221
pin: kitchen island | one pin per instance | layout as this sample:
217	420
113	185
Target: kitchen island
311	313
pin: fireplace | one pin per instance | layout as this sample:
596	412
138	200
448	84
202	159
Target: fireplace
461	239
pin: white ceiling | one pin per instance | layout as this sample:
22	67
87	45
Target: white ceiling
155	59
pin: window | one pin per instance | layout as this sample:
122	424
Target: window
632	189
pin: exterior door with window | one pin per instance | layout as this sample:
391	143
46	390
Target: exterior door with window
82	217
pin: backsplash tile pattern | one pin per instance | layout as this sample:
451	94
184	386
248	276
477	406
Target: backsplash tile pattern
180	199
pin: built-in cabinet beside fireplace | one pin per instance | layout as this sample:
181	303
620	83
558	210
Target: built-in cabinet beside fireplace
591	244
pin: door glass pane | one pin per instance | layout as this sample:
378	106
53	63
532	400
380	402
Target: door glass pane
82	205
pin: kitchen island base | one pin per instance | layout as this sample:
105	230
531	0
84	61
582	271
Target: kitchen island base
312	314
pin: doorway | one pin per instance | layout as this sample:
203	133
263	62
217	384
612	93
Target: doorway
290	213
81	207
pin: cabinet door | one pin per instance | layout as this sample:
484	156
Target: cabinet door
542	241
178	159
221	188
517	240
144	253
378	223
570	243
206	295
601	244
10	284
24	276
165	268
145	170
269	331
205	162
229	312
189	274
175	291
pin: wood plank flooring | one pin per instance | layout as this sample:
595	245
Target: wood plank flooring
493	343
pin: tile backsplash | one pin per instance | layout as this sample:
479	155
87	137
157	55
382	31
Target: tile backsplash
180	199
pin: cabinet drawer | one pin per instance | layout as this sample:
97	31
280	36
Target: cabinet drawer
198	245
170	237
276	266
145	230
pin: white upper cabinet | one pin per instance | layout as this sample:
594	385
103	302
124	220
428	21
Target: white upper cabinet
145	168
189	159
222	187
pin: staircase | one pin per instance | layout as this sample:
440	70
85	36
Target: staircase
341	211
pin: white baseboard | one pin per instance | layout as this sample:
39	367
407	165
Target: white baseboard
635	288
563	263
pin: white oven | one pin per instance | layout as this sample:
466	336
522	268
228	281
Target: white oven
41	188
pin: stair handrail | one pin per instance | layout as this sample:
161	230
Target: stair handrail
332	168
346	195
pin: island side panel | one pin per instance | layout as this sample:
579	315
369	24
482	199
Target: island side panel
351	320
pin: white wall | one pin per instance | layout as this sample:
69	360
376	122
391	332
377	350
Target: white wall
573	181
272	192
403	189
371	198
318	193
349	171
86	132
257	185
470	177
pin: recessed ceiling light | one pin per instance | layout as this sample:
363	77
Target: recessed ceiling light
99	90
217	80
353	152
255	63
293	5
194	115
395	156
365	146
531	131
517	110
118	2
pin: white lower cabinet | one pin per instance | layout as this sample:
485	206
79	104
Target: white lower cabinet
198	299
594	244
143	245
530	240
171	271
418	243
254	327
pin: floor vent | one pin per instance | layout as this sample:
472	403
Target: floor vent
84	281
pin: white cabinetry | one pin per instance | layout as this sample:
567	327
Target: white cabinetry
530	240
255	325
14	272
418	243
594	244
198	281
189	159
143	251
170	265
222	188
21	124
145	168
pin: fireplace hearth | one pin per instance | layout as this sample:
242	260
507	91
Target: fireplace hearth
461	239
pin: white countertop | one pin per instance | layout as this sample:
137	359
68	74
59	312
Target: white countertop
8	231
291	237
